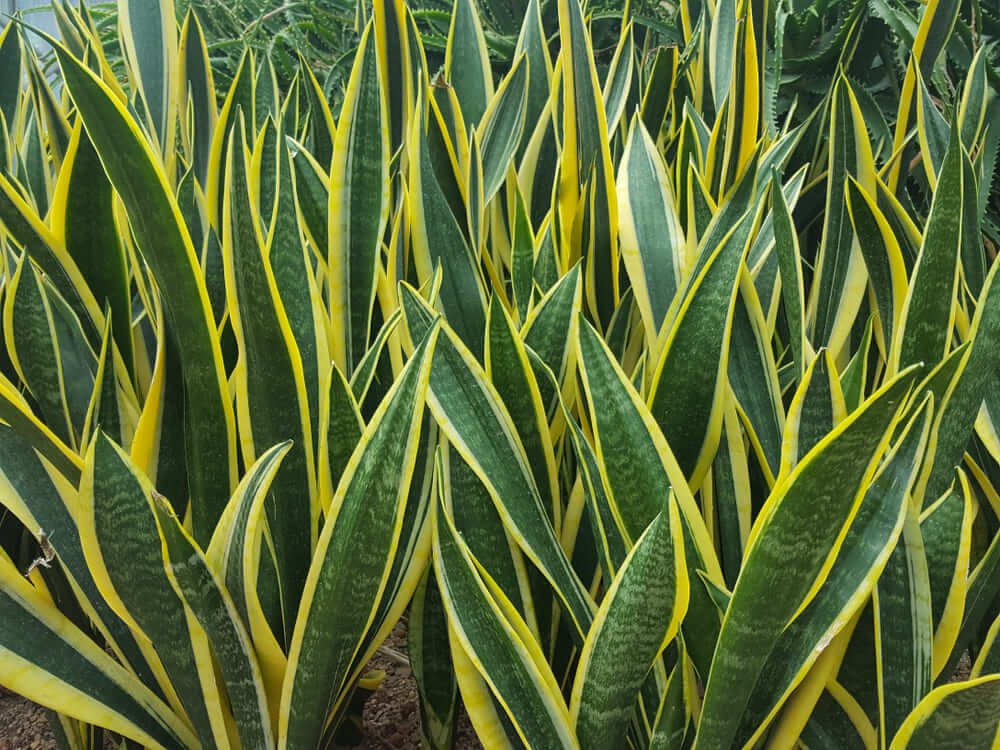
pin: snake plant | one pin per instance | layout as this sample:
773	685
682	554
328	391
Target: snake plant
655	381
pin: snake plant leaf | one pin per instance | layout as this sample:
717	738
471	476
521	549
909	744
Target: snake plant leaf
904	630
502	126
166	246
786	243
467	62
430	659
61	666
236	557
817	407
639	470
471	414
272	402
298	289
42	500
238	97
365	374
609	540
770	594
838	285
958	413
312	188
928	316
149	41
618	82
321	130
987	661
652	241
509	369
869	540
157	446
83	210
15	411
691	372
392	39
982	590
549	332
10	64
364	528
974	260
932	132
475	203
883	259
584	121
119	533
358	205
640	615
192	579
958	715
753	377
27	229
413	546
742	107
107	410
482	527
722	50
498	644
51	120
838	721
462	294
195	73
946	528
48	349
344	427
522	258
531	41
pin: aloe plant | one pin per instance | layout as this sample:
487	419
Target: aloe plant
657	382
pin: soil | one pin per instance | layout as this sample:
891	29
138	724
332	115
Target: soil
391	714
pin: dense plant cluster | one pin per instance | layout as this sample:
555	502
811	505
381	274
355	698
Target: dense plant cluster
647	358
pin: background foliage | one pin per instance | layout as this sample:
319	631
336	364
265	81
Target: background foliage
646	356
